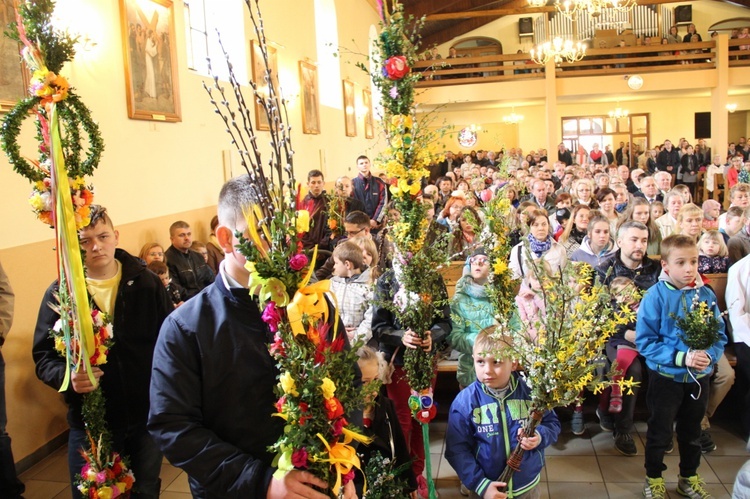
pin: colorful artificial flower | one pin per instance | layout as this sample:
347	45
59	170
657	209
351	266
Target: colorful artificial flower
271	316
299	458
287	384
396	67
328	388
334	409
298	262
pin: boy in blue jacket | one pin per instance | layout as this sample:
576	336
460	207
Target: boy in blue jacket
485	422
674	369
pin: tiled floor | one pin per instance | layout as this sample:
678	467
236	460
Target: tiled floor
577	467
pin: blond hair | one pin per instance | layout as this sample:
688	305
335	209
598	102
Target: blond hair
686	211
674	242
714	235
492	339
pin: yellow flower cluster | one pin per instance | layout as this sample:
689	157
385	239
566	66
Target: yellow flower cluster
404	237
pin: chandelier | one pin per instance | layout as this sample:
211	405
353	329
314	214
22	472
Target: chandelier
571	8
558	50
513	118
618	112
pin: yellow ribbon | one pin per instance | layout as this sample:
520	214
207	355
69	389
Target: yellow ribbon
252	217
310	301
70	264
343	457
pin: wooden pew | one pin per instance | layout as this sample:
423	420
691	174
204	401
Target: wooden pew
451	274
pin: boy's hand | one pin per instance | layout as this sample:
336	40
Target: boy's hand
529	443
493	491
411	340
697	359
296	484
81	382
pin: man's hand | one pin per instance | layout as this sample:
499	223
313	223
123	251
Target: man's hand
493	491
296	484
350	492
697	359
411	340
373	224
81	382
529	443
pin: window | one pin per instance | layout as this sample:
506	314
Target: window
203	19
196	39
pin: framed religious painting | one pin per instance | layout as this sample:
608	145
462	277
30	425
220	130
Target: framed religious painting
350	113
259	78
367	106
308	76
14	79
148	39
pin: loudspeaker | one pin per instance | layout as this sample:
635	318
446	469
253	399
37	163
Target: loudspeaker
702	125
683	14
525	27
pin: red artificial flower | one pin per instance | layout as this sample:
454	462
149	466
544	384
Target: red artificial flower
396	67
334	409
426	415
280	403
298	262
348	477
304	407
338	426
299	458
117	468
338	344
277	347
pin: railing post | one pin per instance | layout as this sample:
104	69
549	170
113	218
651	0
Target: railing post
554	134
720	97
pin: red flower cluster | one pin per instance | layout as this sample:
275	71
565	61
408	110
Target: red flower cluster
396	67
334	409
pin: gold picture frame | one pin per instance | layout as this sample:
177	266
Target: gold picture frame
350	109
148	40
259	78
310	101
14	78
369	120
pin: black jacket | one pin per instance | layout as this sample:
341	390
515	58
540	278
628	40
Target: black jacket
141	305
388	332
668	158
644	277
212	394
189	270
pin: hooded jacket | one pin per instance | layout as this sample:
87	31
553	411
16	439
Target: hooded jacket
657	334
353	299
644	276
142	303
585	254
471	311
482	432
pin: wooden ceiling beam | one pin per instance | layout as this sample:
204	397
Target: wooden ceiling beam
450	16
421	8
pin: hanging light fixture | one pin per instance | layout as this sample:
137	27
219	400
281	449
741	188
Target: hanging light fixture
571	8
512	118
731	107
618	112
558	50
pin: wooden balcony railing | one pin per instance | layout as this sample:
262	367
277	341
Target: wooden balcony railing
517	67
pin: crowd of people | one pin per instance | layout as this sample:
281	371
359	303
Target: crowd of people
210	405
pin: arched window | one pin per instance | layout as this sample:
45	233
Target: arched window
327	44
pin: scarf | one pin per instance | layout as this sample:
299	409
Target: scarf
539	247
576	235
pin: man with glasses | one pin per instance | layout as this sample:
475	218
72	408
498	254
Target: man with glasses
356	226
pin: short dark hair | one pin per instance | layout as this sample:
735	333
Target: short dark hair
179	224
98	214
630	224
314	173
158	268
362	156
359	218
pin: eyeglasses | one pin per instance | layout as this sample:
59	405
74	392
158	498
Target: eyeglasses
479	260
352	233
